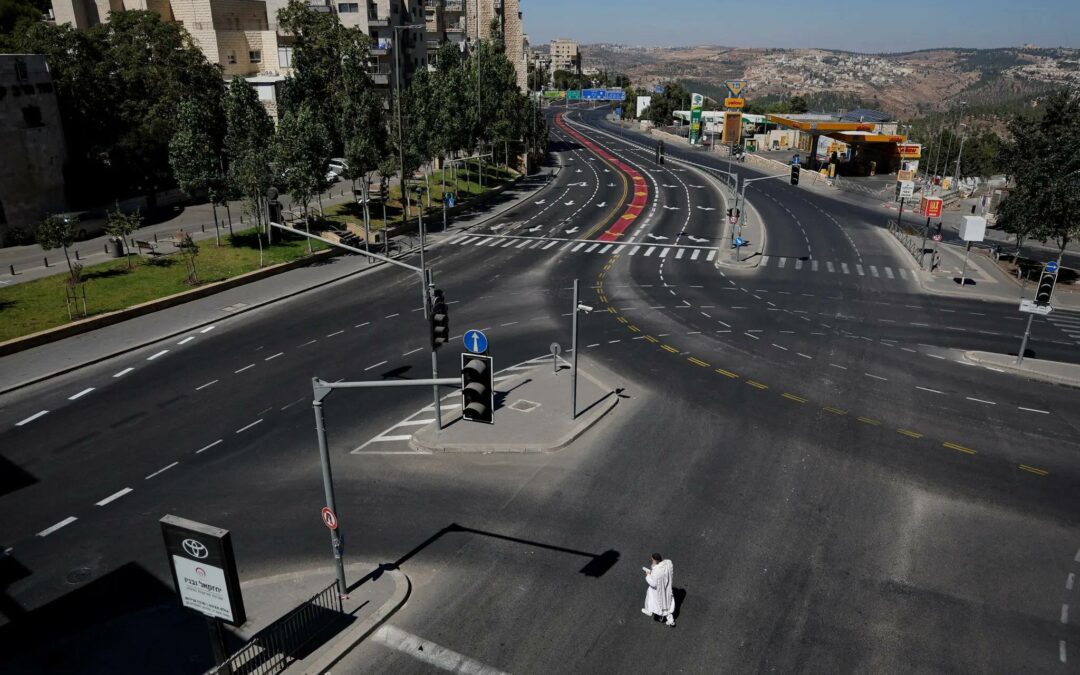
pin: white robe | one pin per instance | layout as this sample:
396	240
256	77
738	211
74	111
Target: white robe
659	599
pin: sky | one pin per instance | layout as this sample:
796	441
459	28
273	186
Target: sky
837	24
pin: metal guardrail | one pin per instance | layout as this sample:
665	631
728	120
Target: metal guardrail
273	649
912	241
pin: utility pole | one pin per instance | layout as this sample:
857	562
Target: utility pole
956	177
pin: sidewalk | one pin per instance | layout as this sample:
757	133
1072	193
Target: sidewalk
53	359
532	414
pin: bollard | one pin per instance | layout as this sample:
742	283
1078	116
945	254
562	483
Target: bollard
77	254
155	237
46	262
204	227
12	270
106	248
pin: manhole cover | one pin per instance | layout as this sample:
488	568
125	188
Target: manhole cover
79	575
521	405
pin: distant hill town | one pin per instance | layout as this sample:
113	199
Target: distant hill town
908	85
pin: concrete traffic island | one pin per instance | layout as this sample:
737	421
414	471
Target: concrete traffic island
1055	372
532	414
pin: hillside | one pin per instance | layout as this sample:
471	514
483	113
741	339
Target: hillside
907	84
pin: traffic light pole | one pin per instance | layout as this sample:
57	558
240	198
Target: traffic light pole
573	361
429	298
1023	343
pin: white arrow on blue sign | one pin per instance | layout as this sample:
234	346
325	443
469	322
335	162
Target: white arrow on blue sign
1051	266
475	341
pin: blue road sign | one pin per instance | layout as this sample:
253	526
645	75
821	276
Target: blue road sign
739	241
614	95
795	160
658	89
618	111
1052	266
592	94
475	341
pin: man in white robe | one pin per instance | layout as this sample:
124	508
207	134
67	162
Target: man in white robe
659	600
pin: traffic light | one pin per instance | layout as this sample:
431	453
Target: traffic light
477	389
1046	285
794	174
440	320
384	189
273	206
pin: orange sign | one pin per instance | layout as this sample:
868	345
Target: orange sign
734	102
905	175
930	207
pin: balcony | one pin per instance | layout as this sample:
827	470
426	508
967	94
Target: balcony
378	22
454	6
380	74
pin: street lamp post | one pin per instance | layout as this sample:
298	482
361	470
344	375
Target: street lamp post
956	176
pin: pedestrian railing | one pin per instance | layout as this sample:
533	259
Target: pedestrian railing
913	241
275	647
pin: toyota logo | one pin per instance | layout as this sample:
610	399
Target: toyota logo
194	548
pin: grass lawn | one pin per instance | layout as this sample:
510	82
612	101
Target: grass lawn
37	305
467	186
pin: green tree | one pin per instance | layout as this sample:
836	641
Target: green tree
58	232
190	250
301	151
119	85
248	137
120	225
663	106
195	157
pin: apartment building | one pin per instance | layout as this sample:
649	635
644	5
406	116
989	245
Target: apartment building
478	21
565	55
31	175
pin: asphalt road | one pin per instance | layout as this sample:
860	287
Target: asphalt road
838	492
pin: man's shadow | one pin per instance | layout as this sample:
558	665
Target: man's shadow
680	597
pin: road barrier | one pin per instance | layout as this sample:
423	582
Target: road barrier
914	243
274	648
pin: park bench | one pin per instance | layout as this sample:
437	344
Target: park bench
150	247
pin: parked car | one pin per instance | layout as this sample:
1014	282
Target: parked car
335	167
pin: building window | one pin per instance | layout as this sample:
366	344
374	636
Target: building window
284	57
231	58
348	8
255	56
32	116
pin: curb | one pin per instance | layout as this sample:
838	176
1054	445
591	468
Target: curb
980	358
244	310
583	424
358	633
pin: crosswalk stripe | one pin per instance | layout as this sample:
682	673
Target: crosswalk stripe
550	245
509	242
858	268
577	248
679	253
830	266
664	252
649	252
798	263
844	268
493	241
524	242
591	248
566	246
903	273
764	261
873	270
604	250
618	248
539	242
712	254
455	240
813	265
695	254
634	250
781	262
888	272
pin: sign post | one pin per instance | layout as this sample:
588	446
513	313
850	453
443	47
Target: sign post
696	103
204	574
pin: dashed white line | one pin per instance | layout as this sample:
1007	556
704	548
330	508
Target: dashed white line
82	393
779	346
804	355
186	340
380	363
1034	410
252	365
1061	650
936	356
335	333
123	372
979	400
932	391
161	470
32	418
1069	581
309	342
63	523
391	316
208	329
113	497
876	377
270	358
837	365
206	385
207	447
361	325
413	351
242	429
1064	613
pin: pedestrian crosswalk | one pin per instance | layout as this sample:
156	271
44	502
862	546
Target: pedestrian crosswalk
1068	322
690	253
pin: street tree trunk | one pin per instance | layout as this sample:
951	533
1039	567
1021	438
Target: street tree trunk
217	230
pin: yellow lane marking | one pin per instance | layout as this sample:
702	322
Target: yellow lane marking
634	328
1035	470
959	448
908	432
670	349
835	411
698	362
629	216
868	420
726	373
758	385
622	319
793	397
651	338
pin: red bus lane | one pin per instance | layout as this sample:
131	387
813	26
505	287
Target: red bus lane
640	187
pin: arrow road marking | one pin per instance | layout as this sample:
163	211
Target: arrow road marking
671	208
572	230
601	205
657	237
570	203
695	239
611	184
534	229
706	208
540	202
669	186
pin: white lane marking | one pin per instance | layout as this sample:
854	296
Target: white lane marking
876	377
509	323
161	470
1061	650
63	523
779	347
186	340
411	423
712	254
207	447
1064	613
932	391
309	342
258	421
936	356
404	437
252	365
206	385
341	331
391	316
804	355
123	372
413	351
431	653
1044	412
380	363
82	393
32	418
113	497
837	365
361	325
979	400
270	358
1076	558
1069	581
208	329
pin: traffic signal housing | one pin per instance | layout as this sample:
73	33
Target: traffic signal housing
439	318
1047	281
477	388
794	174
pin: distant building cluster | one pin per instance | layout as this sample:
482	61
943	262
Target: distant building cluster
825	70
